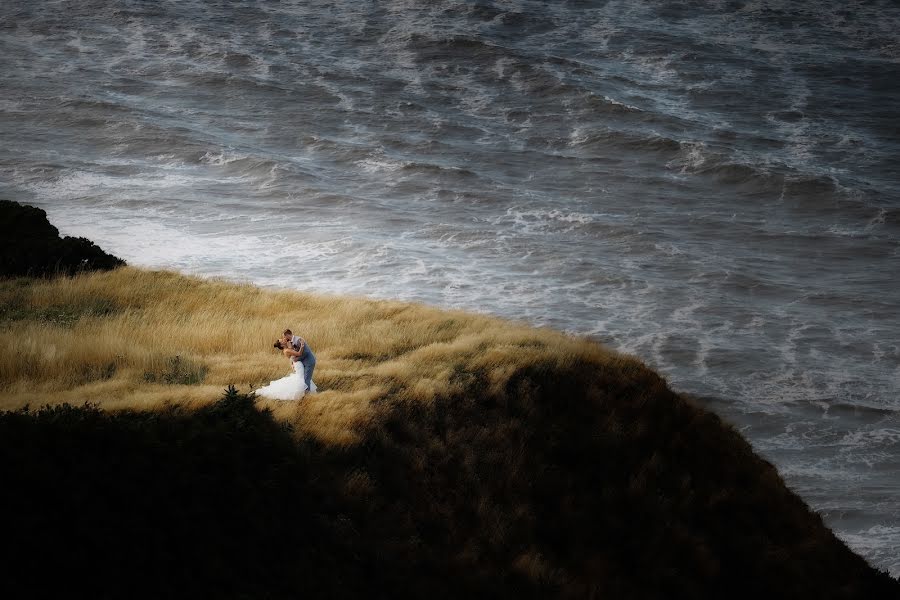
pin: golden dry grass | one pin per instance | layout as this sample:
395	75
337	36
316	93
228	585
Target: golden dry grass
110	338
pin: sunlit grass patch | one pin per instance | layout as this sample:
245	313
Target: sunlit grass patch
131	337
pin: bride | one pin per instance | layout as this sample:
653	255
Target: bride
291	387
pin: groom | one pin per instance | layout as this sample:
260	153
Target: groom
306	356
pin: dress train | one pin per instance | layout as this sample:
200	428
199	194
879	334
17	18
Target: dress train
291	387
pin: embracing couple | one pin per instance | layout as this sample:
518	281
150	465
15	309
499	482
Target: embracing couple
303	363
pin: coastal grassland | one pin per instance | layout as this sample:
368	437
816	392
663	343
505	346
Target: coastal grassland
132	338
449	455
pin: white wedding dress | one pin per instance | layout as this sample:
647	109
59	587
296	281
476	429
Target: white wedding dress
292	387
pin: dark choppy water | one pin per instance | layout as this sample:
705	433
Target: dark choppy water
713	186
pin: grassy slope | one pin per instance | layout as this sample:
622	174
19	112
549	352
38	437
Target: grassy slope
449	455
112	338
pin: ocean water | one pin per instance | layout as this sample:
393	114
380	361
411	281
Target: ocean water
711	186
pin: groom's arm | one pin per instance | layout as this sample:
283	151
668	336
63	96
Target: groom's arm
293	354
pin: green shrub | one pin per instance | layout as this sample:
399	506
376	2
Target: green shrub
178	371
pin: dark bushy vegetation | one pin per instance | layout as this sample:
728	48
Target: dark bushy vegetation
578	484
30	245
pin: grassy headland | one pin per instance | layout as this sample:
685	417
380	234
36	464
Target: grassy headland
449	455
131	338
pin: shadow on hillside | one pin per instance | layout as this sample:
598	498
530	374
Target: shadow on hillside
220	502
541	491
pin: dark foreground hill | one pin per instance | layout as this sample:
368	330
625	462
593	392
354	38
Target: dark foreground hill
577	484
